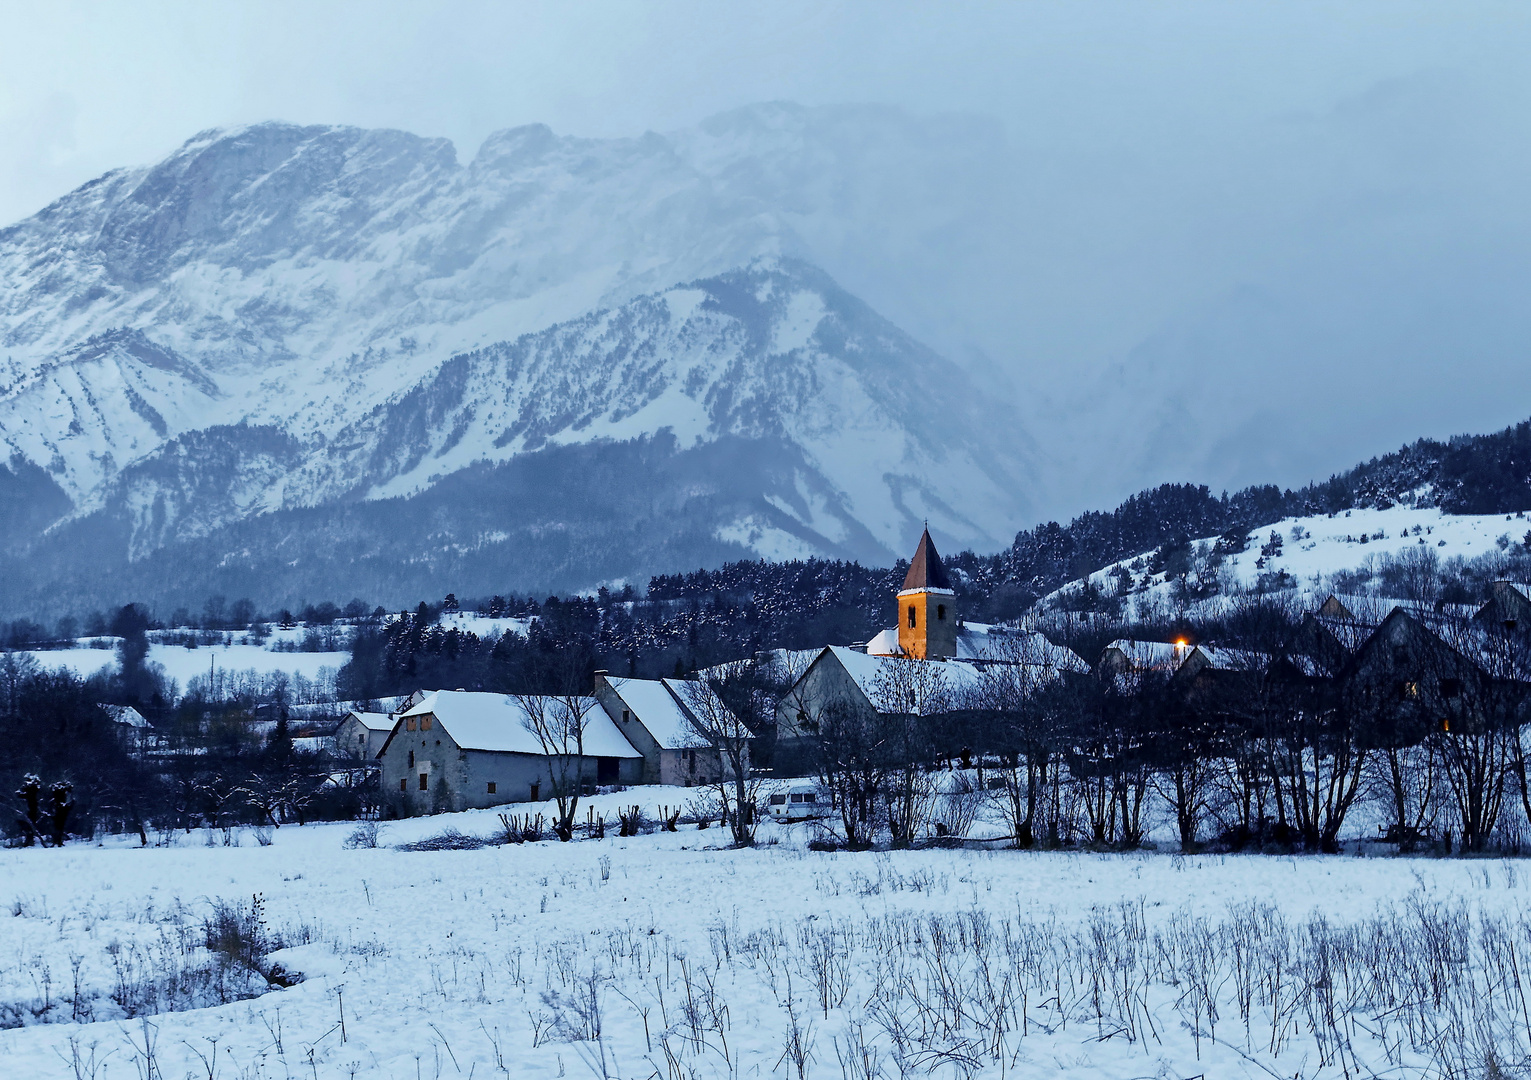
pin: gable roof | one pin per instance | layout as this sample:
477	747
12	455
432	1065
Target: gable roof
373	721
660	709
1150	655
864	670
478	721
925	569
126	715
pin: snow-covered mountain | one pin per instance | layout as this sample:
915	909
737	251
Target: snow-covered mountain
281	319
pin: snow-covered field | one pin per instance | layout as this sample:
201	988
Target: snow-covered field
1313	548
183	664
668	955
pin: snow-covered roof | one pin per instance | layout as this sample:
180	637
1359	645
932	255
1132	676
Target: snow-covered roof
1005	644
1151	654
1220	659
374	721
126	715
995	644
479	721
660	709
865	670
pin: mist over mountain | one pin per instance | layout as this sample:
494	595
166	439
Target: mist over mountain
285	352
259	342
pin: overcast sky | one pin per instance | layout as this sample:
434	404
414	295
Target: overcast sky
1313	218
88	86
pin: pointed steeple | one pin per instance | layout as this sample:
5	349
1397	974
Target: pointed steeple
925	569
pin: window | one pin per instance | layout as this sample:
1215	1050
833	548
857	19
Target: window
409	725
411	759
425	781
535	789
940	612
912	617
403	784
491	787
624	716
778	800
1451	688
425	722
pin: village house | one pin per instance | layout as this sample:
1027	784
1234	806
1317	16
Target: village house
1508	604
362	734
654	715
456	750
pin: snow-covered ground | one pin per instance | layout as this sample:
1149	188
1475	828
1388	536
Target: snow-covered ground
688	959
183	664
468	622
1313	548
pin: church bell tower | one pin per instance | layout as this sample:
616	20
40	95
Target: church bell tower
927	606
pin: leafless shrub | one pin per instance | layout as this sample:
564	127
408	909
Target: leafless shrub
516	829
449	840
958	806
363	836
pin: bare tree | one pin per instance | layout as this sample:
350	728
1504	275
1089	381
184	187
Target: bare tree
851	757
1008	697
910	696
725	707
1406	778
558	723
1476	680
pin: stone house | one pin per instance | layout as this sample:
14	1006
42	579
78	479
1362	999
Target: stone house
654	716
457	750
362	734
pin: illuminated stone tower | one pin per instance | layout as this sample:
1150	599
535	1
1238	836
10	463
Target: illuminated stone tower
927	606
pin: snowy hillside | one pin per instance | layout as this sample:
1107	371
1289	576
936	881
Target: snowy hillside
279	317
1311	549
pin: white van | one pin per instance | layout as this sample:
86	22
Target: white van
798	803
